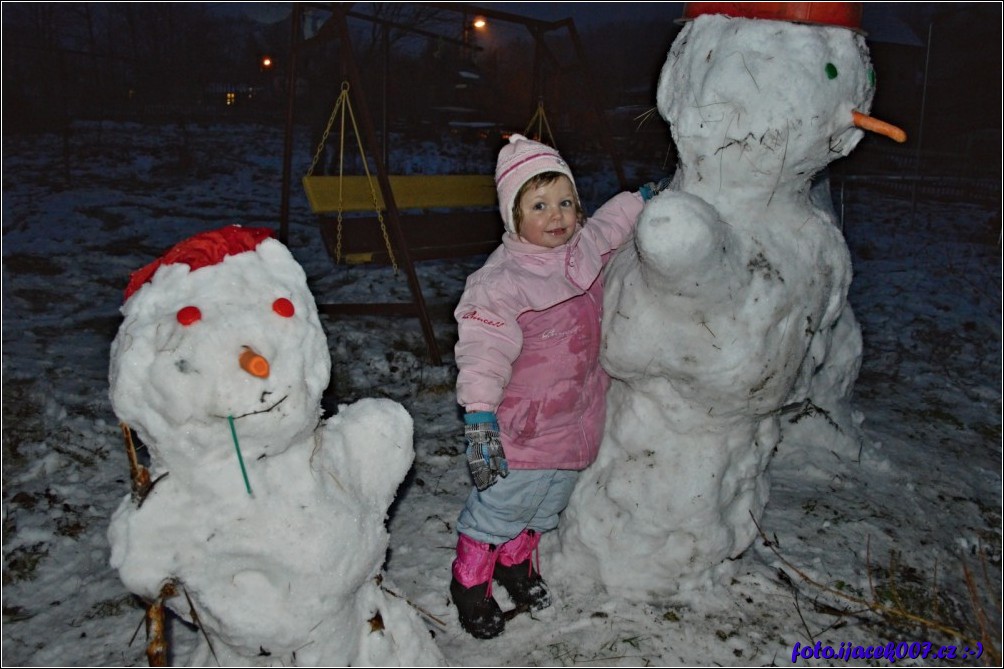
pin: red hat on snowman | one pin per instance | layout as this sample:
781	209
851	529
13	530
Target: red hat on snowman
201	250
842	14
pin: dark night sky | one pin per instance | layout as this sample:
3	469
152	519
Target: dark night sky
882	21
587	14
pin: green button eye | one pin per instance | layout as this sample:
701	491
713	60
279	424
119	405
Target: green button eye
871	77
831	71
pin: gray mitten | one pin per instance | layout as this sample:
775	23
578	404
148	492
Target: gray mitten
485	456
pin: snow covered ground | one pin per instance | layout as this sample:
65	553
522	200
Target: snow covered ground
899	527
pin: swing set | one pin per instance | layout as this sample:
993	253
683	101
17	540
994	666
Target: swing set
445	216
359	240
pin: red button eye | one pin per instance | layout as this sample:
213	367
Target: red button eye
284	307
189	315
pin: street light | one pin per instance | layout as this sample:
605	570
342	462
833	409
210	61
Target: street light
479	23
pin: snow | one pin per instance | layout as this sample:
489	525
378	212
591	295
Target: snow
896	524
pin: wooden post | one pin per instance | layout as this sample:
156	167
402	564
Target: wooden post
287	143
393	217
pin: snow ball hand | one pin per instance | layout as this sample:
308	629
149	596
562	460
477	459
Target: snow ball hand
485	456
653	188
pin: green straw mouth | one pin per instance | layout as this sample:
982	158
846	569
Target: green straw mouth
240	458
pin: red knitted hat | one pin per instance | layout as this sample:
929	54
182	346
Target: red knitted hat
201	250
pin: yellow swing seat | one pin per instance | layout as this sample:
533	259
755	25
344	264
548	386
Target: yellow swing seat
465	220
329	194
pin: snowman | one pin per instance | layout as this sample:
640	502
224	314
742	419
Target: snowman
726	322
257	521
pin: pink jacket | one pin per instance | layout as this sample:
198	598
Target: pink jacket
529	325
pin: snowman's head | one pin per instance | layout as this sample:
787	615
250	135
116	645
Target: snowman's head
753	101
222	329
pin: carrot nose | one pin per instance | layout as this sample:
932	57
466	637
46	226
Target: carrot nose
253	364
869	123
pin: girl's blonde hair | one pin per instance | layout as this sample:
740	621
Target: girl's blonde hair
536	181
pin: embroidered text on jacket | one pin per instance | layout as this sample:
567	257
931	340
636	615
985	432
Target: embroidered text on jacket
473	316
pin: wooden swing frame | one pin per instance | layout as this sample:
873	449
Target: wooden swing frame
405	238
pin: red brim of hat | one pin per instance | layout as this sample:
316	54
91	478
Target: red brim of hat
841	14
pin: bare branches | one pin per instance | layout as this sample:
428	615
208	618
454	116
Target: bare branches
899	611
140	475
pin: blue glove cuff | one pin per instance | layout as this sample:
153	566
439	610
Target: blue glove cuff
652	188
480	417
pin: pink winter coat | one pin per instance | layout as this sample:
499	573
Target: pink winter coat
529	326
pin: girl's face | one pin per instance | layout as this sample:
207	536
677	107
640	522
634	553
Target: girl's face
548	213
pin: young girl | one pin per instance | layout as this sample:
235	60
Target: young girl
529	375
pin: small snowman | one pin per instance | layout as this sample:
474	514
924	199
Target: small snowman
727	319
257	521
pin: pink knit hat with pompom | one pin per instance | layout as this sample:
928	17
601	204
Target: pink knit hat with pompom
519	161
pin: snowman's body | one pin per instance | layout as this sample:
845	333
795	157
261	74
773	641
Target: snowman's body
288	573
724	310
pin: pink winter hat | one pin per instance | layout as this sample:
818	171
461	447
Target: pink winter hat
519	161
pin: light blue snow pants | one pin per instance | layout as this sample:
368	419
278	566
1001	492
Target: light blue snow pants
526	499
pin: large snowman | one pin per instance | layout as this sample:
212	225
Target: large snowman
727	320
257	521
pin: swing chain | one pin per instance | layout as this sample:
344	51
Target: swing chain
327	129
342	104
541	119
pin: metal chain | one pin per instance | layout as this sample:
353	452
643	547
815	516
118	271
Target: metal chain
327	130
541	118
369	179
342	104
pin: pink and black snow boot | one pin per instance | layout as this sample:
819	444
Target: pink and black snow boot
516	573
471	589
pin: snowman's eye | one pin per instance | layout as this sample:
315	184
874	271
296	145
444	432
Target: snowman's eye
188	315
283	307
831	71
871	77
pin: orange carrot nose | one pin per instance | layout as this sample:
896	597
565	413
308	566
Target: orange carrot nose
866	122
253	364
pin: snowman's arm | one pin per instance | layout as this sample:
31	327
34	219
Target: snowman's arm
683	245
831	363
366	449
